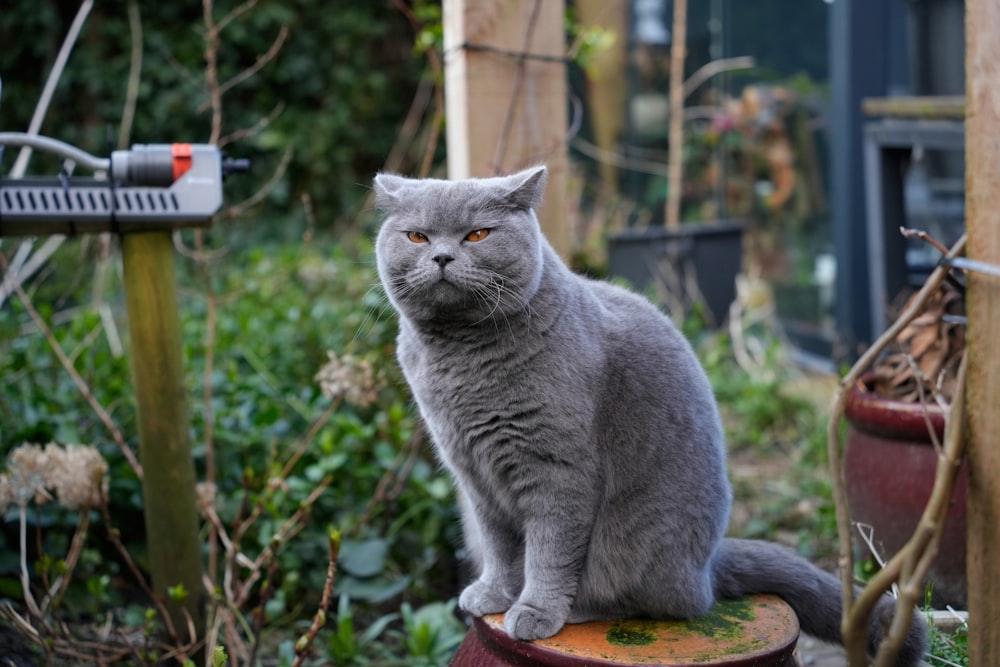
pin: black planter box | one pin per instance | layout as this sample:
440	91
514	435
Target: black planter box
664	259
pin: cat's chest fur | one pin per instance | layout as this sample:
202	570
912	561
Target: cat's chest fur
491	400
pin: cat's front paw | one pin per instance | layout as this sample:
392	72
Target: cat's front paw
480	598
527	623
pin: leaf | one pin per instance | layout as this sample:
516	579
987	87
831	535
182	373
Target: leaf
364	559
373	631
370	590
930	349
932	360
924	339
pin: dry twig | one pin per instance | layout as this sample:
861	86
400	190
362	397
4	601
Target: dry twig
78	380
910	564
319	619
428	87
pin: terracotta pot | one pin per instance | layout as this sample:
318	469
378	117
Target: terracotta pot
889	467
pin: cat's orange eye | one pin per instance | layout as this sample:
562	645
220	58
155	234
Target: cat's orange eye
477	235
416	237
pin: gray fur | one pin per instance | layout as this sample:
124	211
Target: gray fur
576	421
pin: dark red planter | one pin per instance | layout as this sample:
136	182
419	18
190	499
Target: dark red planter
889	467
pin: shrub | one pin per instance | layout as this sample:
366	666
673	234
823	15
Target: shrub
304	394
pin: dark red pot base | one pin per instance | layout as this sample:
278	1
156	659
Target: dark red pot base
889	465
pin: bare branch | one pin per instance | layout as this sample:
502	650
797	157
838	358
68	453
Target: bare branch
920	551
923	236
234	14
212	70
255	129
134	75
437	121
319	618
81	384
261	62
238	209
21	163
855	613
714	68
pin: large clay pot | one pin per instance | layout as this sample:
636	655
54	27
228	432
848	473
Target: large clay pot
889	467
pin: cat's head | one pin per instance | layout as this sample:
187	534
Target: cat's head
465	251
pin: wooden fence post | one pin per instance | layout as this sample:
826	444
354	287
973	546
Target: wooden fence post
168	481
505	96
983	307
606	79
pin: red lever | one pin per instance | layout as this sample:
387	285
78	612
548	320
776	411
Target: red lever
182	159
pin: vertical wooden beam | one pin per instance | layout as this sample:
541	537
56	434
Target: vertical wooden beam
606	81
983	306
506	112
168	484
675	160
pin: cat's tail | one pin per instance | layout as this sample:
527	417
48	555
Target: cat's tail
743	567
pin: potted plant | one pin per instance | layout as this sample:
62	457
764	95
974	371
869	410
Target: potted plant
732	164
684	264
896	422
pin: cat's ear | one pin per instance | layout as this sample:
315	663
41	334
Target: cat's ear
387	190
526	188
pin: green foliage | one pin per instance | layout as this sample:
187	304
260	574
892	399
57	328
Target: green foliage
777	443
278	310
758	410
946	647
427	636
219	658
348	646
432	633
950	648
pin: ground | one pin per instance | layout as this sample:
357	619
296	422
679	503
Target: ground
769	483
814	653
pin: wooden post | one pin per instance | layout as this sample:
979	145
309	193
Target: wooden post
505	96
606	82
675	166
168	483
982	168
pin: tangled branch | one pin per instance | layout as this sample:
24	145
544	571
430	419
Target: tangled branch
910	565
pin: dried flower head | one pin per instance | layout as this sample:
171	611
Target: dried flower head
78	475
205	493
349	378
26	475
6	492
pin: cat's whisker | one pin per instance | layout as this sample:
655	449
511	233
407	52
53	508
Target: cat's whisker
485	297
373	316
491	293
502	289
369	312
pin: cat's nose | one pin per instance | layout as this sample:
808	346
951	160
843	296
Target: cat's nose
442	259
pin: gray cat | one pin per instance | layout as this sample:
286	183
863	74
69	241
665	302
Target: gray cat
577	422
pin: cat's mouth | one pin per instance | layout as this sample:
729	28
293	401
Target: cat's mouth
442	289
